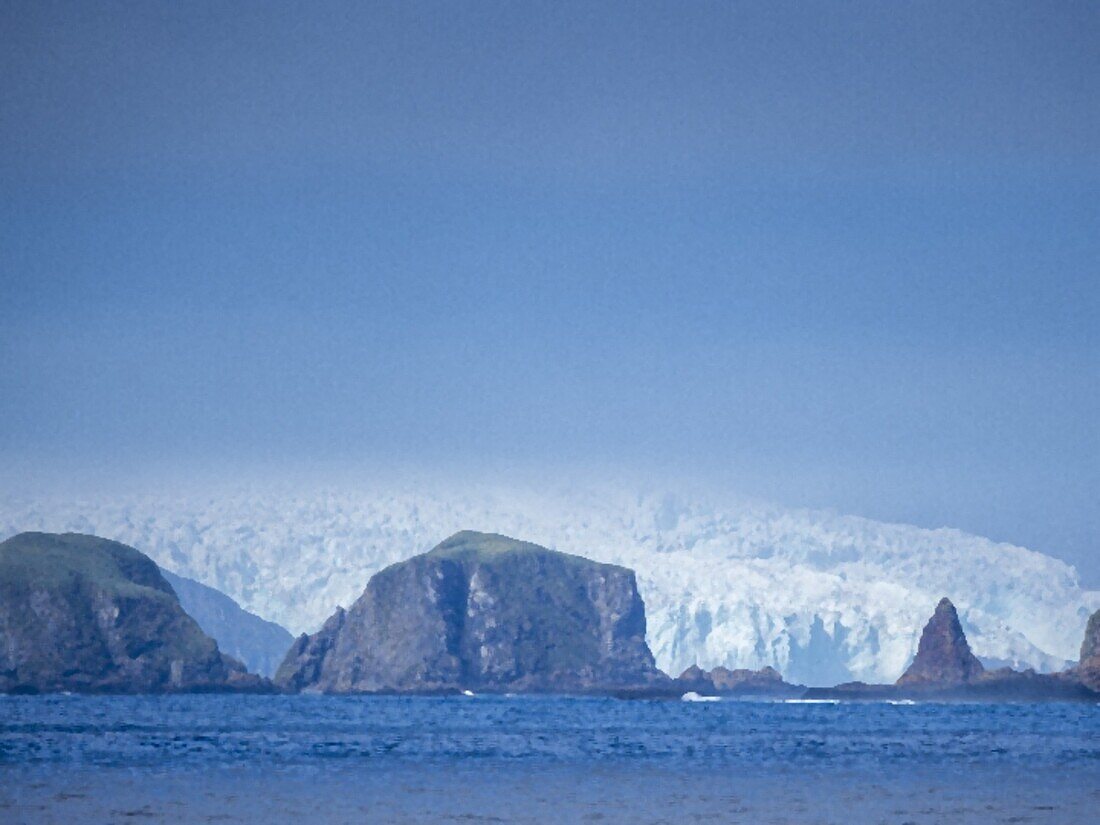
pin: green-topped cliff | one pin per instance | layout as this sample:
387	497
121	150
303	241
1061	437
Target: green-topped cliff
81	613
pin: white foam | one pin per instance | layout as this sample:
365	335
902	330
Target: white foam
692	696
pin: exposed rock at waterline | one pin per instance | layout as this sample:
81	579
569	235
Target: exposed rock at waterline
724	682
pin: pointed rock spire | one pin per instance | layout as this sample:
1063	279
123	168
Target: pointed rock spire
943	656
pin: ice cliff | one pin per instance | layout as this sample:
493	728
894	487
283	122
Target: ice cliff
823	598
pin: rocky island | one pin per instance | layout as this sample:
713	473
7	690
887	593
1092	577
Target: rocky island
83	614
484	612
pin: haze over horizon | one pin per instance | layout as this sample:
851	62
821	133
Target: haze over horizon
831	257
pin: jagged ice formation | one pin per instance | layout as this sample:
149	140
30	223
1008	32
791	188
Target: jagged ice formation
821	597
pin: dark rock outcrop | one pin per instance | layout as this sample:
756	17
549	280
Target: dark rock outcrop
740	682
943	656
84	614
855	691
1003	685
484	612
1008	685
261	645
695	679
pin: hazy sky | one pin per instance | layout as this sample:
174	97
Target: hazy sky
830	254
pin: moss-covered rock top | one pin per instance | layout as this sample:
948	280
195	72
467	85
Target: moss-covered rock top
48	560
477	546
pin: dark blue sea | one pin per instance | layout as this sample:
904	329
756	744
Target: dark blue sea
534	759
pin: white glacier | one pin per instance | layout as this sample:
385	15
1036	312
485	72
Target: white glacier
821	597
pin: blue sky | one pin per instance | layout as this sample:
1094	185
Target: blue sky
839	255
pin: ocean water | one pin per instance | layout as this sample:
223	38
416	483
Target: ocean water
541	759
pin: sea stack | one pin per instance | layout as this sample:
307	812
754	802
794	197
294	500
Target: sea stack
483	612
84	614
943	656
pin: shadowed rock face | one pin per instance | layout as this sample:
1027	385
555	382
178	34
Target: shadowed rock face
1089	668
943	655
81	613
483	612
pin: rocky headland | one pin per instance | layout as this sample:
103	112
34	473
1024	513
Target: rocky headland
484	613
83	614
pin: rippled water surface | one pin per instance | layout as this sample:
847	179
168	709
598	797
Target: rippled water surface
248	758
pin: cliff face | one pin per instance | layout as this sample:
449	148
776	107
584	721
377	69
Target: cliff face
483	612
1088	671
80	613
943	656
258	643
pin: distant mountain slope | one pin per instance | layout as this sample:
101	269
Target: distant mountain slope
820	597
260	644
